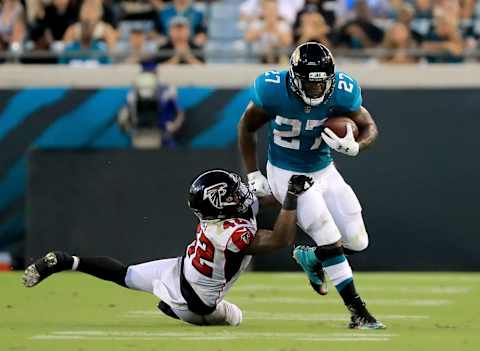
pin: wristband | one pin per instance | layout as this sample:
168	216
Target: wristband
290	202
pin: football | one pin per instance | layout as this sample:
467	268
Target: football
339	126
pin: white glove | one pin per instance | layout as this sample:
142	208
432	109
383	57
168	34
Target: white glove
258	184
346	145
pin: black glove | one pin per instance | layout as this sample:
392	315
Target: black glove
298	184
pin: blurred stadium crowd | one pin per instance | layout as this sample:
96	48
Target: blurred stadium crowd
92	32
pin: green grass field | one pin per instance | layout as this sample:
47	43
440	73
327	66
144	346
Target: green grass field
71	311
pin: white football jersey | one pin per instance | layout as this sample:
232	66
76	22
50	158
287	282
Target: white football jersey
215	259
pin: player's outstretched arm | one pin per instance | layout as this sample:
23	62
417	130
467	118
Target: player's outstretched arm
285	228
367	128
252	120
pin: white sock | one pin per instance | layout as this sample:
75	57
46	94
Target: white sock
76	261
339	271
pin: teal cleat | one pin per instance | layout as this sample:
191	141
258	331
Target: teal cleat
305	257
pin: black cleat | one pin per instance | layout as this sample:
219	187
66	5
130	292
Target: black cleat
361	318
45	266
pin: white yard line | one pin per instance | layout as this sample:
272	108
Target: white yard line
315	300
321	316
224	335
182	333
254	315
303	287
196	338
278	277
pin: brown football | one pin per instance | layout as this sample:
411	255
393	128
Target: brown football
339	126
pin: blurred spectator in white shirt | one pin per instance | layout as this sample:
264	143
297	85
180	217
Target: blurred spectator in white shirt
287	9
270	34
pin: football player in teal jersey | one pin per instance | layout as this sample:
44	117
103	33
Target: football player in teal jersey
296	103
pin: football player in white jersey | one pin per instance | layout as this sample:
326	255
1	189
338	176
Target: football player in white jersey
192	287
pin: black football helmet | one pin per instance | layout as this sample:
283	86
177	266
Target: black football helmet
312	72
219	194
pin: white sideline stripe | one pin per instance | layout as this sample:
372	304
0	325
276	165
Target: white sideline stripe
296	301
373	276
319	317
225	335
254	315
219	333
195	338
423	290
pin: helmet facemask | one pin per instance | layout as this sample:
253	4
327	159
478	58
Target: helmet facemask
300	85
243	196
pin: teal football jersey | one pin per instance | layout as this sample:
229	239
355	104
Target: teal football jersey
295	141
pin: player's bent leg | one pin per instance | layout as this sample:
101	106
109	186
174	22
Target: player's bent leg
336	266
346	211
315	219
355	238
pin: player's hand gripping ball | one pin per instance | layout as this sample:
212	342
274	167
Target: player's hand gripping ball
340	134
298	184
338	126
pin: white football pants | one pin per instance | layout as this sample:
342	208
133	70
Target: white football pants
162	278
328	211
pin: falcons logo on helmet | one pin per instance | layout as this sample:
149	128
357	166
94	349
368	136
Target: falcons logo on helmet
215	194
